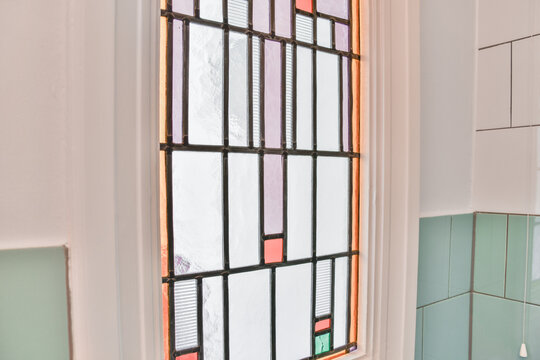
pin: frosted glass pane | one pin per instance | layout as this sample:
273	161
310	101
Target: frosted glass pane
293	312
185	314
238	12
238	90
205	85
323	286
304	28
273	194
272	94
328	131
304	98
338	8
342	37
211	10
261	15
283	17
288	95
183	6
332	204
345	108
324	32
249	315
340	302
177	76
243	209
197	211
299	213
213	318
256	91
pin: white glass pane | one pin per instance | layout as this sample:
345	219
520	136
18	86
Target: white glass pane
304	98
327	101
205	85
243	209
323	292
213	318
288	95
249	315
197	211
299	206
256	92
324	32
211	10
185	314
238	99
238	12
304	29
340	302
293	312
332	204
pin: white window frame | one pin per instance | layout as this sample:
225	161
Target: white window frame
114	268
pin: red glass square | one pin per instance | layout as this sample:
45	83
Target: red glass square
273	251
191	356
322	325
306	5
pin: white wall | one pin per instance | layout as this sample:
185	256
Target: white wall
447	105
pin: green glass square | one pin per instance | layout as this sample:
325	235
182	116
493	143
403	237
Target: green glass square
322	343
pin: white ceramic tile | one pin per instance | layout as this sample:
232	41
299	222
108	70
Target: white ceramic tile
526	82
493	108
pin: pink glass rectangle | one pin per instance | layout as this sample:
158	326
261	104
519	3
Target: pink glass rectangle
272	94
273	194
191	356
338	8
345	110
283	17
322	325
177	80
342	37
183	6
273	251
261	15
306	5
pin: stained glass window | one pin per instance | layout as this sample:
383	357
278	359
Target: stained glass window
259	160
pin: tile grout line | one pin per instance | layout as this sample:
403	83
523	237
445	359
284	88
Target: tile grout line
442	300
506	256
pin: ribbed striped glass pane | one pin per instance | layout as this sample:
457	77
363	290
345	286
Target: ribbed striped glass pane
256	91
185	314
323	288
289	95
238	13
304	28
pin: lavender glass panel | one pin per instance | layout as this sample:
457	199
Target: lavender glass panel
338	8
283	17
272	94
177	69
273	194
342	37
183	6
261	15
345	110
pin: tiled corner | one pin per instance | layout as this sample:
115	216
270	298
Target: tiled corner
419	332
493	98
461	243
490	254
525	82
446	329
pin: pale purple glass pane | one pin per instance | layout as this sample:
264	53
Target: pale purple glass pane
272	94
342	37
273	194
177	76
345	86
338	8
261	15
183	6
283	17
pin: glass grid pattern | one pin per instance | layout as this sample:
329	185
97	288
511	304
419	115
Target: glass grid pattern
203	110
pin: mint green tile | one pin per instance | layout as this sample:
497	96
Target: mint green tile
33	305
517	245
419	329
490	254
460	254
322	343
446	329
433	259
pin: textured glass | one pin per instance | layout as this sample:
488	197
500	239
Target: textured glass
243	209
322	343
323	288
212	297
205	85
272	94
261	15
340	302
185	314
273	194
306	5
289	95
304	28
178	81
337	8
304	98
238	12
183	6
345	106
293	312
238	89
256	91
342	37
283	17
332	205
273	251
299	206
197	211
324	32
211	10
328	131
249	315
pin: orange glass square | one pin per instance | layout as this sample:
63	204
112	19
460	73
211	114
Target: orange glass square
191	356
273	251
322	325
306	5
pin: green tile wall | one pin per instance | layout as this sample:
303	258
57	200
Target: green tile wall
33	305
461	254
419	334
